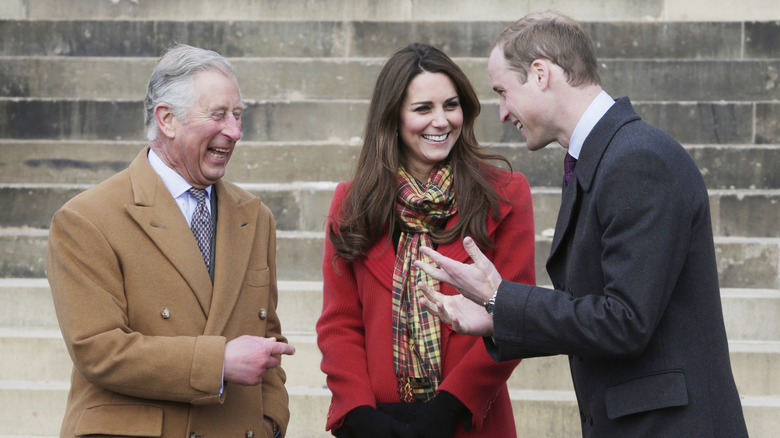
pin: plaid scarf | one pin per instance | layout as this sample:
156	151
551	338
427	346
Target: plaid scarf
416	337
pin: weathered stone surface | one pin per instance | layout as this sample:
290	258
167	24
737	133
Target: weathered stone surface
150	38
761	37
767	123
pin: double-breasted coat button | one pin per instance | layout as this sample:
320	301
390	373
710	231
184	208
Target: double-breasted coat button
263	314
165	313
250	433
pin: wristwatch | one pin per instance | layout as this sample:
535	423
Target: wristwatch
491	304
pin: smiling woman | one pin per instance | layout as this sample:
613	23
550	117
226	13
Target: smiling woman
421	180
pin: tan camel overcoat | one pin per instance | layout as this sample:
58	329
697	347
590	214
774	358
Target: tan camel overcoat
141	320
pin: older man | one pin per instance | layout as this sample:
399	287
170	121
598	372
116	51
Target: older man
636	304
164	277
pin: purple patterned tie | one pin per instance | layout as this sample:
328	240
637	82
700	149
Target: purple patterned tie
201	224
568	168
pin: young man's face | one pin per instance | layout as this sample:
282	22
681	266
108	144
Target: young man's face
520	104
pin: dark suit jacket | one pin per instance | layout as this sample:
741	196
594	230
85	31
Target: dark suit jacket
122	252
636	304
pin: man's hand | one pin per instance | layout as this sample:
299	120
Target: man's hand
465	316
477	282
247	358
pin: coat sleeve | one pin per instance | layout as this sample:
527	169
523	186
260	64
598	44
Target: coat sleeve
476	377
612	308
340	331
88	288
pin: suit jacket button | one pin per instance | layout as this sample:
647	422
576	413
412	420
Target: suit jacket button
263	314
165	313
250	433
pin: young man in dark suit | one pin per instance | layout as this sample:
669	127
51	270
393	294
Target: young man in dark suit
636	303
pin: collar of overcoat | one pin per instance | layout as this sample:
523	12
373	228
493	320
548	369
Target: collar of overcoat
593	150
158	215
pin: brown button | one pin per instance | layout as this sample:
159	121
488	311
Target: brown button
263	314
165	313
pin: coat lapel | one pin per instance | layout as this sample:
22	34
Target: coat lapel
593	150
236	228
157	214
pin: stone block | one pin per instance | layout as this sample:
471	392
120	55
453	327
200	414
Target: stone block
274	163
708	123
83	78
32	409
761	36
47	162
149	38
13	10
666	40
299	256
26	304
747	263
34	355
751	315
749	214
32	207
692	80
767	123
23	254
71	119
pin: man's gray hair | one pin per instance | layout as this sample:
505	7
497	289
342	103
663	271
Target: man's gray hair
172	81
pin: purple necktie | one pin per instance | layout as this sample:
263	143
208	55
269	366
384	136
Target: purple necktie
201	224
568	168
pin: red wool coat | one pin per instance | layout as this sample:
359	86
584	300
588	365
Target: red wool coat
354	331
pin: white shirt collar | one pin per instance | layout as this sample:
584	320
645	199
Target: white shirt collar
596	110
175	183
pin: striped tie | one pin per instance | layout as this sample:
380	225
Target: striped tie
201	224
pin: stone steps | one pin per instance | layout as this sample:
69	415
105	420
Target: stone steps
743	262
303	206
52	162
712	122
537	413
312	78
72	78
750	313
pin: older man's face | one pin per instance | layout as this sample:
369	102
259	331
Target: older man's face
201	148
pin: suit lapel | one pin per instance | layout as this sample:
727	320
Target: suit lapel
236	230
157	214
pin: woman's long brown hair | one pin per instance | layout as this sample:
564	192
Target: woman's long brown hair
369	206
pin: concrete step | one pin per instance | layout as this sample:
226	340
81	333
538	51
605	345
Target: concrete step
742	262
460	10
51	162
323	37
537	413
303	206
353	78
706	122
26	304
40	355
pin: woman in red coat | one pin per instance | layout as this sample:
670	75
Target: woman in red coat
421	180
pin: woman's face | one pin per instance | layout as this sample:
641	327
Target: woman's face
431	121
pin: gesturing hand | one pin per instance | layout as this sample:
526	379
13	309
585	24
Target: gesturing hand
465	316
247	358
477	282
